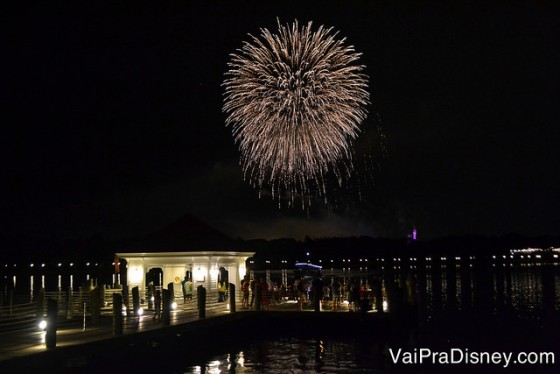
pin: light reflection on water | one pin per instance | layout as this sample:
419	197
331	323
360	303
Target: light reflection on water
295	355
524	290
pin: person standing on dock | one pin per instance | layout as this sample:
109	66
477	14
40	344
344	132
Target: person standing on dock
336	294
157	302
245	286
188	290
253	287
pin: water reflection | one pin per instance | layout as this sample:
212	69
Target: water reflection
527	291
296	355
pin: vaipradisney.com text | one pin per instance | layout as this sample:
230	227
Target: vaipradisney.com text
419	356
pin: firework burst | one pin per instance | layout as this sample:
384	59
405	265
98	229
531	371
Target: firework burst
295	101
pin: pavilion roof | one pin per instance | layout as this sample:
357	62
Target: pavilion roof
184	235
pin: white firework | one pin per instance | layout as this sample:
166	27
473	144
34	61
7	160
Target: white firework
295	102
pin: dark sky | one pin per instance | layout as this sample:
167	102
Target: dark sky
112	121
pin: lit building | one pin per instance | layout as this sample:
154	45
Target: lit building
186	247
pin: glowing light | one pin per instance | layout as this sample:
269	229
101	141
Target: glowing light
385	306
199	275
43	325
214	273
174	305
295	101
140	312
242	271
136	275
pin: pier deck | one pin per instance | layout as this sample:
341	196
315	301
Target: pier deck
22	343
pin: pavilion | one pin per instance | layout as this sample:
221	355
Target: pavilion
187	246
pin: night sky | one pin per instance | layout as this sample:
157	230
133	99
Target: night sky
112	120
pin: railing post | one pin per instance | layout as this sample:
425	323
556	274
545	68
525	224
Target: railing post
117	314
232	298
151	294
166	307
69	302
101	295
40	305
201	299
135	300
126	299
52	309
171	289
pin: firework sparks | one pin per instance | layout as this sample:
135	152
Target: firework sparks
295	101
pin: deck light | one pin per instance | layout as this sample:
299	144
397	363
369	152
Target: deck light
43	325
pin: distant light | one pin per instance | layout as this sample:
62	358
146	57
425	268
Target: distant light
308	253
43	325
71	264
140	312
59	264
385	305
87	264
42	265
152	299
173	305
31	265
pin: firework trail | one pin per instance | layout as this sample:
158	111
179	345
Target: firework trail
295	102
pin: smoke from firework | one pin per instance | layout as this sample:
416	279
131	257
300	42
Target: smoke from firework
295	101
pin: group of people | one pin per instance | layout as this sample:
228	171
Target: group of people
306	291
269	292
303	290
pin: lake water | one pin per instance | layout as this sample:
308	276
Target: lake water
296	355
